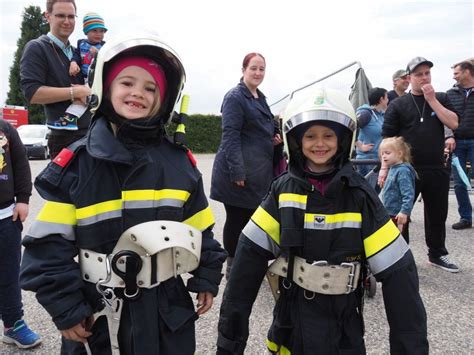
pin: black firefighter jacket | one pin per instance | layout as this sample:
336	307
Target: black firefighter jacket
94	192
347	224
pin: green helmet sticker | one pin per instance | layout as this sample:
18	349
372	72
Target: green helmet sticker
319	100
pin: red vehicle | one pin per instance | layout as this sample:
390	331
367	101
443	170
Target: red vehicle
16	115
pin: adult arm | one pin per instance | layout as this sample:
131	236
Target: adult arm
48	94
446	116
232	123
34	71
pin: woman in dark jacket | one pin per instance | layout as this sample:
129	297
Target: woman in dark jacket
243	167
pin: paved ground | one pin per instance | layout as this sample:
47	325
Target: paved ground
448	297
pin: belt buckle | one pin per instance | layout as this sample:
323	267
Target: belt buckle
350	285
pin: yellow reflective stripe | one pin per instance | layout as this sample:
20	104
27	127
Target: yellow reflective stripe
282	350
271	345
293	198
150	195
58	212
201	220
98	208
381	238
269	224
181	128
335	218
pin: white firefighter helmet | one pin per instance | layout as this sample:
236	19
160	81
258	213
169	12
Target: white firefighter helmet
149	45
320	104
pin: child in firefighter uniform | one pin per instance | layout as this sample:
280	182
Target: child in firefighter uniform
130	206
323	224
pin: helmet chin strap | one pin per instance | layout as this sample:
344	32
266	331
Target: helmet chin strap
138	130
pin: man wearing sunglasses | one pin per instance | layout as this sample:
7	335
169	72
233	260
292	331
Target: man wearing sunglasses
45	79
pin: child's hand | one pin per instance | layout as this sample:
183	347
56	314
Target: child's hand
79	332
74	69
366	147
402	219
382	176
204	304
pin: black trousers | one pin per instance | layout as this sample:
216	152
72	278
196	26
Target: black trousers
433	184
235	221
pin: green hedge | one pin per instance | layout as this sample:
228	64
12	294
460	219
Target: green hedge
203	132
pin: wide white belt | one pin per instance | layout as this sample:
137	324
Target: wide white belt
166	248
319	276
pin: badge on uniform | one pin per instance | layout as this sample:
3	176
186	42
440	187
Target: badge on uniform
64	156
319	220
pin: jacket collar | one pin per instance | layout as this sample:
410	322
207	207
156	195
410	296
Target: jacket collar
262	108
102	144
345	176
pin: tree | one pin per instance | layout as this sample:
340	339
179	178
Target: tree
33	25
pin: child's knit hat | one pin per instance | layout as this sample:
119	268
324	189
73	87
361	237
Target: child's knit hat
92	20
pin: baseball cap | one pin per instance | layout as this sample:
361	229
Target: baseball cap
412	64
399	73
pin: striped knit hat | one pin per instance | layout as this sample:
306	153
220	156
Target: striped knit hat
92	20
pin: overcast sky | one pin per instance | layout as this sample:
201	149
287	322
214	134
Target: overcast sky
302	41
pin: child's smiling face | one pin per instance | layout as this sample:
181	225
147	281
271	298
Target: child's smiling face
319	145
133	93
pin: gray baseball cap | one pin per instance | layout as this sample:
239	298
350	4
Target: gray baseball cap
399	73
415	62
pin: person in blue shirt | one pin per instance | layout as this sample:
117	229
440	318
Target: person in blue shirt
369	122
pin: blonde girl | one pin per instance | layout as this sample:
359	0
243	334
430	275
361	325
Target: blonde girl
398	192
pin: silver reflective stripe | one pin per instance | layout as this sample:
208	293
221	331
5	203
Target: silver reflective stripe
99	217
318	115
40	229
259	237
388	256
153	203
294	204
330	226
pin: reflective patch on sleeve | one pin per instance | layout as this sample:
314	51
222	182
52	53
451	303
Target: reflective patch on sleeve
259	237
55	218
266	222
277	349
58	212
292	200
201	220
388	256
381	238
40	229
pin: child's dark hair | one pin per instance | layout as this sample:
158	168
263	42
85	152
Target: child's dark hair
399	144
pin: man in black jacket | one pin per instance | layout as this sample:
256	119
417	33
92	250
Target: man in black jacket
462	98
15	191
45	79
419	117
